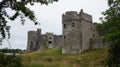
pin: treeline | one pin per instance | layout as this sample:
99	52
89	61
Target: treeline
110	30
11	50
10	61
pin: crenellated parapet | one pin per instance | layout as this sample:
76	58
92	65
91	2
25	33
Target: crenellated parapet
70	15
84	16
73	15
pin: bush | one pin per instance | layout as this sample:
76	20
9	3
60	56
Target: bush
10	61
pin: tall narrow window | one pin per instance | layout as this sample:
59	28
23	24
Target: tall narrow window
31	43
64	37
93	35
73	24
64	26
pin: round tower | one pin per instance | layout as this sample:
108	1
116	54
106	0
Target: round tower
71	30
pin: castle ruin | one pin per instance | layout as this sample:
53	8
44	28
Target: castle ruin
79	34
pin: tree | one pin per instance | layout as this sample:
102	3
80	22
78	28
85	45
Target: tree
110	29
20	9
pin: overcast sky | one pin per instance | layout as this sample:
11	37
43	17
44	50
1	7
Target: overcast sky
50	19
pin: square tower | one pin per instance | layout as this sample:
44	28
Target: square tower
34	40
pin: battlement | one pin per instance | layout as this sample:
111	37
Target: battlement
73	15
85	16
70	15
49	33
32	32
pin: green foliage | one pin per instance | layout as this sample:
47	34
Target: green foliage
20	9
11	50
10	61
110	29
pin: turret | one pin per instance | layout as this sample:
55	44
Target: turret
84	16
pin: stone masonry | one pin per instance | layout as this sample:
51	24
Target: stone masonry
79	34
37	41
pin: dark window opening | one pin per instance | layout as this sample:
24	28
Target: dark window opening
64	26
93	35
31	42
33	37
50	37
70	47
93	30
73	24
64	37
49	42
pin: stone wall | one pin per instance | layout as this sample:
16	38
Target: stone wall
38	41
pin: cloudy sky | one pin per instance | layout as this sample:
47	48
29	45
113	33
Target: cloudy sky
50	19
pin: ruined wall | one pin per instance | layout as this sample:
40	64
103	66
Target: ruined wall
49	40
58	41
37	41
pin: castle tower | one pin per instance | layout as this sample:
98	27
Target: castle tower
34	40
32	37
79	33
71	30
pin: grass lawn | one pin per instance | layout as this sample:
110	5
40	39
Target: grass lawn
54	58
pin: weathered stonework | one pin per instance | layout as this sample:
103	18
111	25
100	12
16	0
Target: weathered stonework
79	34
37	41
34	40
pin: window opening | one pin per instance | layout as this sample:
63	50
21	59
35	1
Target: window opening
49	42
73	24
64	26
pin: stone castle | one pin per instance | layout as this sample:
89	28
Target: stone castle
79	34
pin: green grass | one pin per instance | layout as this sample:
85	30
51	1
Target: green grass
54	58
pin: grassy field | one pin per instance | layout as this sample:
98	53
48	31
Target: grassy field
54	58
